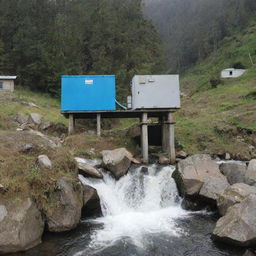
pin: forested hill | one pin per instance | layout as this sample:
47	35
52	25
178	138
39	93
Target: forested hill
40	40
193	29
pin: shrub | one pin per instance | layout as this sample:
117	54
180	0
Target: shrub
239	65
215	81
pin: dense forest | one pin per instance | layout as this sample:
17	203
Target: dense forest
192	29
40	40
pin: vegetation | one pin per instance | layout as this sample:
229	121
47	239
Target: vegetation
193	29
46	39
221	119
49	38
20	172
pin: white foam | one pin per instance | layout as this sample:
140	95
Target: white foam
136	205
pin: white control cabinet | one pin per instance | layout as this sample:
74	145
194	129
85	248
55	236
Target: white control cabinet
155	91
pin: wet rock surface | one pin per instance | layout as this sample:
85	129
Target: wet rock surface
87	169
21	225
192	172
238	226
66	214
251	172
213	188
234	171
117	161
91	202
233	195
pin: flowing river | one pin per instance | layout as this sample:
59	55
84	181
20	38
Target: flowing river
142	215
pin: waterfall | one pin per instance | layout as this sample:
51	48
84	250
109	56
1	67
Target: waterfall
142	203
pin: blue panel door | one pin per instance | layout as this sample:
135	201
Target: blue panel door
88	93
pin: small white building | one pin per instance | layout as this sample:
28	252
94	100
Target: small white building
7	83
232	73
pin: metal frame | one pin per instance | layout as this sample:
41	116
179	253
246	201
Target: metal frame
165	117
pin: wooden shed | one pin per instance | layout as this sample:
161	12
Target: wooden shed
7	83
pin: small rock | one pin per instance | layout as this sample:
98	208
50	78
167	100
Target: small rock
2	188
235	172
238	226
45	125
88	169
26	148
227	156
117	161
251	172
44	161
53	142
181	154
31	104
92	162
26	127
35	118
164	160
233	195
144	170
20	118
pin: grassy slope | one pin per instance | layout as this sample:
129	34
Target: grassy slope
19	171
49	107
220	119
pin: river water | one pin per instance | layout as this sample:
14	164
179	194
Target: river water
142	215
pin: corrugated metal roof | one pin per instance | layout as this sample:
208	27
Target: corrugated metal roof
8	77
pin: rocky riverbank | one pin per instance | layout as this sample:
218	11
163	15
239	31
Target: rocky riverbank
40	189
228	187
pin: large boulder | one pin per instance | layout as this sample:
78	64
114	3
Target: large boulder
117	161
21	225
238	226
234	171
251	172
87	169
213	188
193	171
66	204
233	195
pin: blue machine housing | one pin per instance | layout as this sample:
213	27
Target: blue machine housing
88	93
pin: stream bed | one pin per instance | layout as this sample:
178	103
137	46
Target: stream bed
142	215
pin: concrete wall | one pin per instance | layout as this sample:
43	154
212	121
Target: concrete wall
8	85
232	73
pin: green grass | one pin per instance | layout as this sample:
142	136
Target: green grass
231	104
48	107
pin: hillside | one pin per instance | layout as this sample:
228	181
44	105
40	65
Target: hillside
21	141
192	30
222	119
